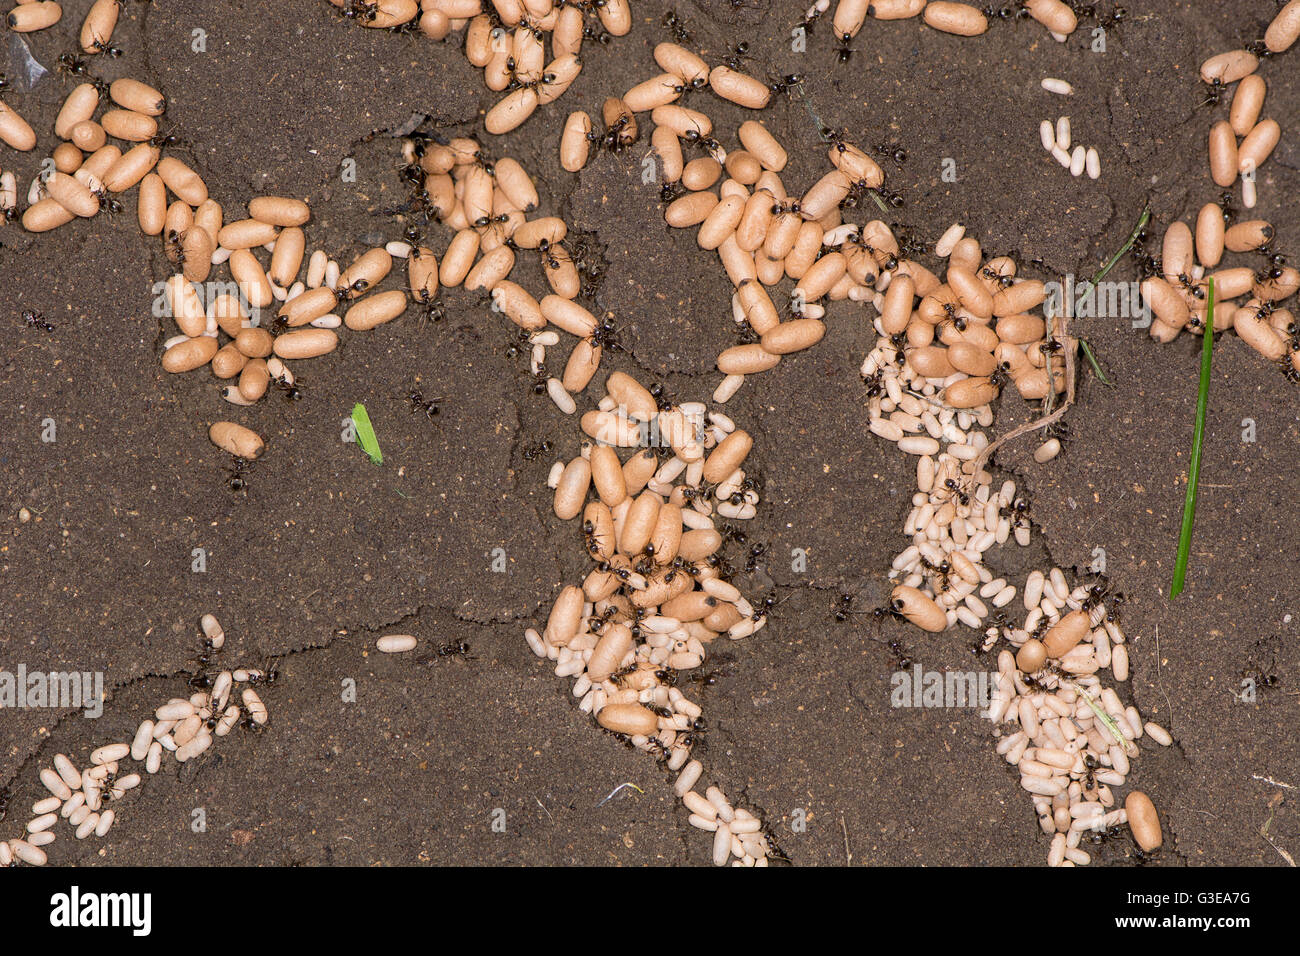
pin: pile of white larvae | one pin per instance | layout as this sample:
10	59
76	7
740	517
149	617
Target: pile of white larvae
184	727
1049	687
656	598
1068	750
507	40
1056	140
1075	739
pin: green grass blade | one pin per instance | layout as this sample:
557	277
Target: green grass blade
366	434
1092	360
1128	244
1194	465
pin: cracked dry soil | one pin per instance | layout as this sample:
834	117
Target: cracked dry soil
325	551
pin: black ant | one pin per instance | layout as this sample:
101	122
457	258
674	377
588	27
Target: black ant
836	137
71	64
756	551
238	480
1060	430
249	724
660	395
292	389
943	569
174	242
198	680
1001	376
1229	209
1019	508
736	55
1054	346
544	247
806	24
413	234
434	310
1275	258
418	403
1113	19
159	140
843	607
409	28
531	452
359	10
909	245
596	35
678	27
100	46
707	678
617	136
606	335
1098	837
454	648
1259	48
783	84
36	320
1217	90
1149	265
1098	593
592	544
844	52
267	676
954	489
107	201
893	609
700	141
897	153
1002	13
730	532
519	346
892	199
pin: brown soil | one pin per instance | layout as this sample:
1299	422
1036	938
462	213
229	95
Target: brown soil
326	551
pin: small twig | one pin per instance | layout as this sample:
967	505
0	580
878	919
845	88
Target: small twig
848	854
1263	831
1276	783
613	793
1109	722
879	202
1283	853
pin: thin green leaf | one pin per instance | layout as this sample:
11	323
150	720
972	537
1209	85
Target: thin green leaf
1198	435
1128	244
366	434
1092	360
